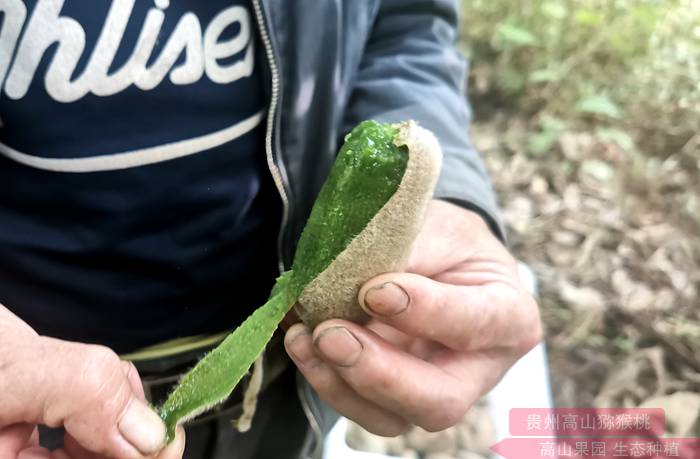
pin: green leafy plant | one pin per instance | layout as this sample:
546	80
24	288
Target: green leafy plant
628	65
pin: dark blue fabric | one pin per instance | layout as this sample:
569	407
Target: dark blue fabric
135	256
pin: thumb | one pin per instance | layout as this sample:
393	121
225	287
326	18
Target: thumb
83	388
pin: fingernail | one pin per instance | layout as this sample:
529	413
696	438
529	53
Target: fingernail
387	299
142	427
339	346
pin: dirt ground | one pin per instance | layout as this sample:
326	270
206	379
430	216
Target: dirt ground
617	260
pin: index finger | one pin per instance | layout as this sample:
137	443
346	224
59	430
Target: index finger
421	392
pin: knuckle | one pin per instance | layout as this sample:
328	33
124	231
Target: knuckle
434	301
380	377
94	395
101	371
533	333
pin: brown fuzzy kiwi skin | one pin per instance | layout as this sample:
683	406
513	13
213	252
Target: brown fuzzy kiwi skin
385	243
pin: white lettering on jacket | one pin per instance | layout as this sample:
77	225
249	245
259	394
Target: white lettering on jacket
46	27
204	51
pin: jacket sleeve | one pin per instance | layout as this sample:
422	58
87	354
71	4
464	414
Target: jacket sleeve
410	69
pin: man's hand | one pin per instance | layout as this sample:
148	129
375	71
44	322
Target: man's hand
441	335
96	397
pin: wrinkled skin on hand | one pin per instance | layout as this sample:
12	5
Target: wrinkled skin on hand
86	389
442	334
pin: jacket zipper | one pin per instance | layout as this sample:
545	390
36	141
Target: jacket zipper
277	171
275	167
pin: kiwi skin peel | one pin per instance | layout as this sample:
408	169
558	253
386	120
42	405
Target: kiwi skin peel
363	223
405	160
